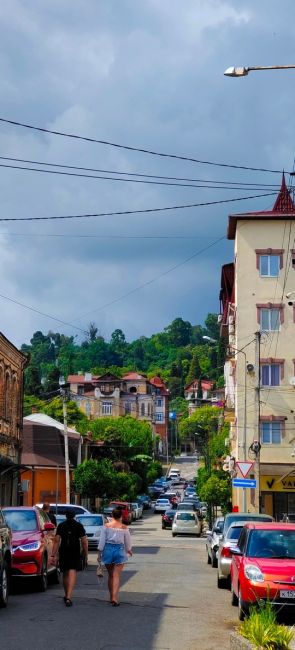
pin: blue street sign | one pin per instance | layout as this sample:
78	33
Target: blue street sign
172	415
244	482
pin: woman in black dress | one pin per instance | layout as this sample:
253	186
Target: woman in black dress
70	535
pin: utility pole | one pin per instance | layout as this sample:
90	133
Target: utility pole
256	445
64	393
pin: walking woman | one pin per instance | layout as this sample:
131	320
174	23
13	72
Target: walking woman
113	550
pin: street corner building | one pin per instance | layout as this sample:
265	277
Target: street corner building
258	322
43	459
12	364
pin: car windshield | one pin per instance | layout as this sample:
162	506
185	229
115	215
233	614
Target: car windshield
272	544
90	520
163	501
185	516
234	532
21	519
170	513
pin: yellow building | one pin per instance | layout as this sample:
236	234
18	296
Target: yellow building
259	322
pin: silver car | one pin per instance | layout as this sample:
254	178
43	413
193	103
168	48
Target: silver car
186	523
93	526
212	541
162	505
224	554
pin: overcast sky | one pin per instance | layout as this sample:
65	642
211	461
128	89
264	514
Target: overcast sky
149	74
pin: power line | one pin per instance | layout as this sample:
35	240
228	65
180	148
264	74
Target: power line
157	277
138	149
136	174
37	311
128	180
67	236
143	211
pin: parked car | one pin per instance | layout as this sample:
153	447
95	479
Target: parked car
93	525
62	508
145	500
263	566
32	542
187	506
5	559
189	491
224	557
167	518
126	508
161	505
186	523
226	544
137	509
212	541
174	473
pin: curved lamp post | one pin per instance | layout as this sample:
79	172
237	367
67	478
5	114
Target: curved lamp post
243	71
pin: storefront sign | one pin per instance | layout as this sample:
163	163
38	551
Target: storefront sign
277	484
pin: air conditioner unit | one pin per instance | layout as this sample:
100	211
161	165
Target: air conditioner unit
292	381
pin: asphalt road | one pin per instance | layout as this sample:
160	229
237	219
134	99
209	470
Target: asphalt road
169	601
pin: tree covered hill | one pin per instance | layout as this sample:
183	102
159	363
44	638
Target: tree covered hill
179	354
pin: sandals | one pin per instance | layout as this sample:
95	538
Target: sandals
115	603
68	602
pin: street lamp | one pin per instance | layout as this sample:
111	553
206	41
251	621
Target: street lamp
243	71
64	394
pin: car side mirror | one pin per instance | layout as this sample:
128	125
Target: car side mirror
209	532
217	530
236	551
49	526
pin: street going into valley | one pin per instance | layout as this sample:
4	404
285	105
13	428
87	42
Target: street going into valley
169	600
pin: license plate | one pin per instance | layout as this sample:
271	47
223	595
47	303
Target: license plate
287	593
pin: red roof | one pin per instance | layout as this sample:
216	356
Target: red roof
205	383
80	379
133	375
283	208
159	383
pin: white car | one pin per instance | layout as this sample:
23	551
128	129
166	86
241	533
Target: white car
137	509
186	523
161	505
62	508
93	525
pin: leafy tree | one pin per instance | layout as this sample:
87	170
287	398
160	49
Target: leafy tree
216	491
32	404
52	380
212	326
92	332
194	369
33	384
55	410
180	405
179	332
94	478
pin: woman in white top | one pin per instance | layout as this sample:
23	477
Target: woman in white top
113	550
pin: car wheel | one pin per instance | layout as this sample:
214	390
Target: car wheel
234	599
208	558
221	582
4	580
163	527
43	578
174	534
243	608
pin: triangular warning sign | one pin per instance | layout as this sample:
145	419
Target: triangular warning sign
244	467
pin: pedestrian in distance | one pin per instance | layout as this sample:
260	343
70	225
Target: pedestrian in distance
70	540
113	550
46	508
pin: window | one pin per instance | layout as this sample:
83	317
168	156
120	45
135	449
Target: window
159	402
159	417
127	408
270	320
107	408
269	265
271	433
80	390
142	409
270	374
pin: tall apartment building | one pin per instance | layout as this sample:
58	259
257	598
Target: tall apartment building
133	394
258	320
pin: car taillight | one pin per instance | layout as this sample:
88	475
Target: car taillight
226	552
166	518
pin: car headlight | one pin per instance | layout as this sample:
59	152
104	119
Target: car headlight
253	573
33	546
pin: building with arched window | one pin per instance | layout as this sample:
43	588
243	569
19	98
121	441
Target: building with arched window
12	364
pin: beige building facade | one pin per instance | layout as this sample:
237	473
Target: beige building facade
259	322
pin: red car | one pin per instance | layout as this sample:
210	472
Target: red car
32	541
263	566
126	508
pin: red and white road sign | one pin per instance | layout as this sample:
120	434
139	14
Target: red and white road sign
244	467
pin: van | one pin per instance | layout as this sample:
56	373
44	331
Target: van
62	508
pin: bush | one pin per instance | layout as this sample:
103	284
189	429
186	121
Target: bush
263	631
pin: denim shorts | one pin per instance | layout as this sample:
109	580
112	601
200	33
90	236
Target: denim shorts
114	554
